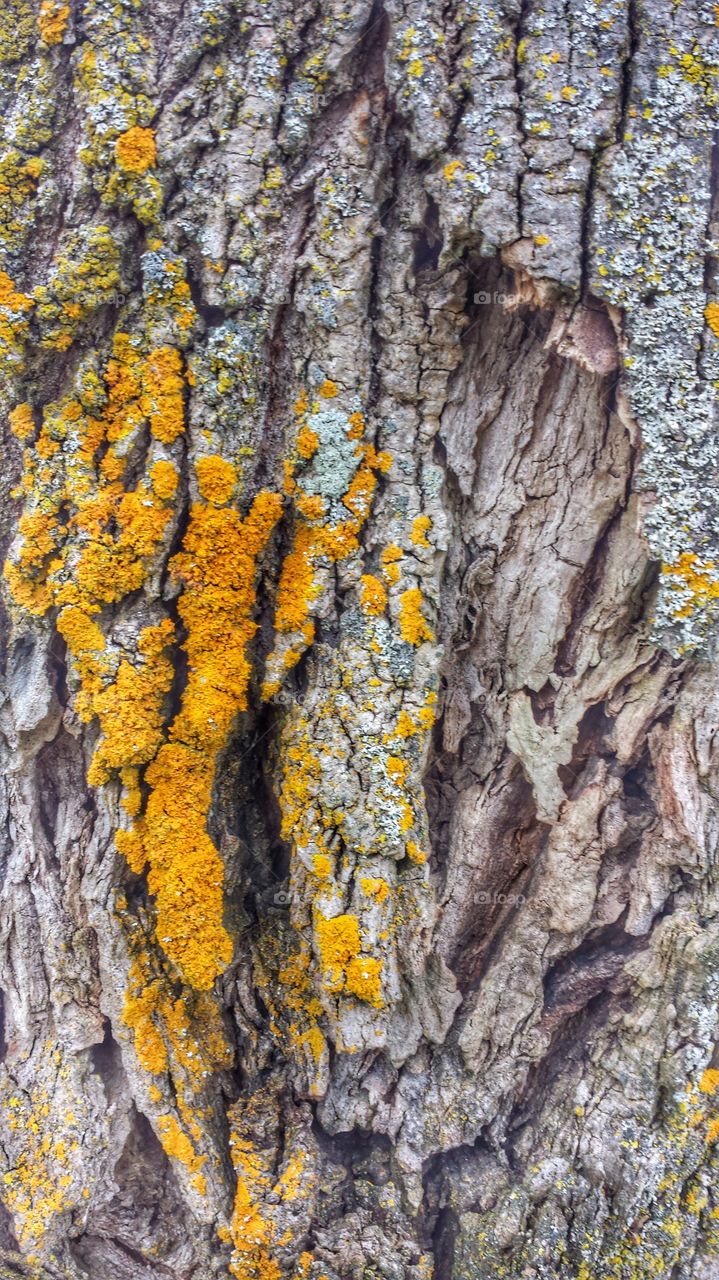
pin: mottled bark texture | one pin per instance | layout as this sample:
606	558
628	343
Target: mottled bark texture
359	826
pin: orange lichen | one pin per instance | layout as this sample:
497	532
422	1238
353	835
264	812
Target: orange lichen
375	887
698	580
22	422
295	587
307	442
338	942
164	479
328	389
711	315
322	865
178	1145
343	966
363	979
709	1082
52	21
389	560
397	769
11	297
38	1185
266	1199
162	398
216	567
135	150
130	710
140	1005
412	624
373	595
420	528
216	479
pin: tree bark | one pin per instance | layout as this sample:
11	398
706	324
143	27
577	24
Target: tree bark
359	856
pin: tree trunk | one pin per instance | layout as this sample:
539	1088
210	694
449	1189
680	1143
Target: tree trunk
359	863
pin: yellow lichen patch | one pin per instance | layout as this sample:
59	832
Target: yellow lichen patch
452	169
283	969
294	590
375	887
420	528
390	563
338	942
130	710
162	399
216	567
711	315
363	979
177	1144
307	442
52	21
135	150
412	624
164	479
22	422
11	297
14	307
216	479
709	1082
697	581
415	854
270	1190
373	595
343	966
140	1005
397	769
42	1180
329	389
17	26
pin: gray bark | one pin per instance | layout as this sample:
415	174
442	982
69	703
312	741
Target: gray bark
359	824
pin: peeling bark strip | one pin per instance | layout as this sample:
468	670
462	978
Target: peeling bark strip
358	372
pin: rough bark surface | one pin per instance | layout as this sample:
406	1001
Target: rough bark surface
359	827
